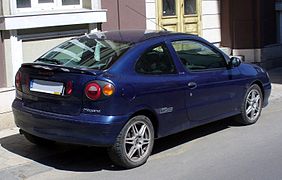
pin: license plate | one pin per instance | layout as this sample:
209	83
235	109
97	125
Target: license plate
49	87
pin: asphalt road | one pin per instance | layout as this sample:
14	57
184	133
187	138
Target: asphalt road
220	150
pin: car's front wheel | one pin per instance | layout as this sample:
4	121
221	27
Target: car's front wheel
252	106
134	144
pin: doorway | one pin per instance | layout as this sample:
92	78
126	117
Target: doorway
180	15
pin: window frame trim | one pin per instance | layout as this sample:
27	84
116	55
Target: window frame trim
41	7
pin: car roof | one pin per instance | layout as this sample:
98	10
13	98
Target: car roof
132	36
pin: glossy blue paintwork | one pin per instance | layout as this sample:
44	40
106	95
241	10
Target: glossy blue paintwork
86	129
76	119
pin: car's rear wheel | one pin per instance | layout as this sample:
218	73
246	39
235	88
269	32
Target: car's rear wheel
38	140
252	106
134	144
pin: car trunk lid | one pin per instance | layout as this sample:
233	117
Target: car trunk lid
53	88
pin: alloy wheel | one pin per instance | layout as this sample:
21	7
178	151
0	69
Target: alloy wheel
253	104
137	141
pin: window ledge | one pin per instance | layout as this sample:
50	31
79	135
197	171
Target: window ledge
54	12
51	18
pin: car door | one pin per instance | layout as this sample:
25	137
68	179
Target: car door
162	88
211	85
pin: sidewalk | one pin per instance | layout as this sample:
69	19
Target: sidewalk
7	119
7	96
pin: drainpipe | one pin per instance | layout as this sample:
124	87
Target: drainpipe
118	14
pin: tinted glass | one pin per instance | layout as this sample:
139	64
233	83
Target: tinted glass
45	1
156	61
190	7
23	3
70	2
197	56
86	53
169	8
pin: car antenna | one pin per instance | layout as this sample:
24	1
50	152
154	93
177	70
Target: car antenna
134	10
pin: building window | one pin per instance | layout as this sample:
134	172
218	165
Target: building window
169	8
70	2
39	5
23	3
45	1
190	7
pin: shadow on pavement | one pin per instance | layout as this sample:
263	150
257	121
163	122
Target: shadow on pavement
60	156
89	159
192	134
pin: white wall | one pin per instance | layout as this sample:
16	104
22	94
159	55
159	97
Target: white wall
7	95
211	20
1	13
151	14
34	49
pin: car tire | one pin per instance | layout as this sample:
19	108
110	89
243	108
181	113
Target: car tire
251	106
38	140
134	144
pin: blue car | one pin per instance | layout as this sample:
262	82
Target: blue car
123	89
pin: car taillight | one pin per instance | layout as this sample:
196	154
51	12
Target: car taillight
108	90
18	81
99	90
93	91
69	88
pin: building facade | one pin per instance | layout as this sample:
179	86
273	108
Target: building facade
253	30
248	29
201	17
28	28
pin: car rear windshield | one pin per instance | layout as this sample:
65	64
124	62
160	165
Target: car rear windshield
86	52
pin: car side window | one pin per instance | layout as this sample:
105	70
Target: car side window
156	60
196	56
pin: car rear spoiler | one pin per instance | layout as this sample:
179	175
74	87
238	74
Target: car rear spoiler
51	67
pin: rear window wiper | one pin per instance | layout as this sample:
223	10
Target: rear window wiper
52	61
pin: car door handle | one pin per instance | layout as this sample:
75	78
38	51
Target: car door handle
192	85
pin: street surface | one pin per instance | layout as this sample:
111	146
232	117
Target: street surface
220	150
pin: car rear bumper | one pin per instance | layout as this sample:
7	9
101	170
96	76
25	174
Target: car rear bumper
84	129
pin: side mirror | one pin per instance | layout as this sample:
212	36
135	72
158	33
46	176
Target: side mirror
234	62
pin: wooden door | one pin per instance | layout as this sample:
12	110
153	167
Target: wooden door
180	15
